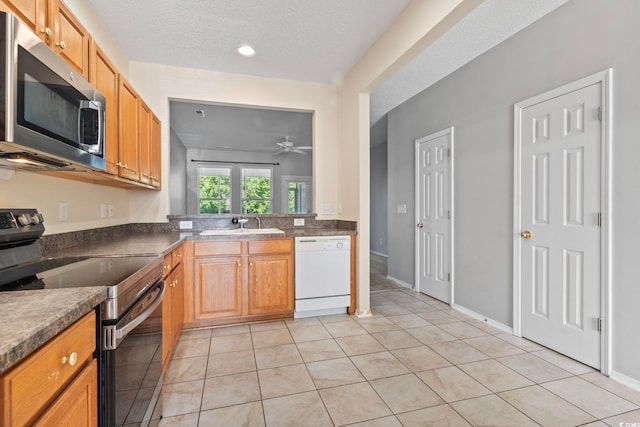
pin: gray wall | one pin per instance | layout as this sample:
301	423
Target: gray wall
177	176
578	39
378	200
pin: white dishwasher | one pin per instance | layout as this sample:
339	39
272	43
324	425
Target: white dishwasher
323	275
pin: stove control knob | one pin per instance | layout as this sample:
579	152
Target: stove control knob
35	218
24	219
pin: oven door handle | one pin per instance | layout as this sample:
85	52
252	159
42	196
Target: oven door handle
115	333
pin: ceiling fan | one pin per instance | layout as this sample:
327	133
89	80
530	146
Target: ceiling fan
287	146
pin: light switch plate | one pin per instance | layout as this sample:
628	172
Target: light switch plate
186	225
298	222
402	209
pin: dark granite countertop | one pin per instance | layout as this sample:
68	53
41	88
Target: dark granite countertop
37	316
141	244
32	318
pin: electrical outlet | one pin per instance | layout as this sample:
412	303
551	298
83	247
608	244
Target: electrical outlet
63	211
298	222
103	210
186	225
402	209
325	209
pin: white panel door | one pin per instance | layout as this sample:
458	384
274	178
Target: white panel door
433	215
560	238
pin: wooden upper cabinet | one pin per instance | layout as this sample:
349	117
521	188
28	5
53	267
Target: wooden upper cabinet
69	38
128	165
54	23
145	143
149	143
156	152
104	76
32	12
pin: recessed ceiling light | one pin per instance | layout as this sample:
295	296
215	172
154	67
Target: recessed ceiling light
246	50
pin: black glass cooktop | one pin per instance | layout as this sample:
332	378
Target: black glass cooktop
71	272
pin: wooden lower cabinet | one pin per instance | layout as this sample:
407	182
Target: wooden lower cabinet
173	303
57	384
270	287
218	292
77	406
241	280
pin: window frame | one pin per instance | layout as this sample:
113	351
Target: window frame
228	201
244	199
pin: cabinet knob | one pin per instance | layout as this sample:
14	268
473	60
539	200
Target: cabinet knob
46	31
167	267
239	264
62	45
72	359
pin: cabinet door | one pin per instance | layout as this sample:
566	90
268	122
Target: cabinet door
129	132
33	13
177	305
104	76
70	39
218	287
156	151
270	284
144	142
78	404
167	334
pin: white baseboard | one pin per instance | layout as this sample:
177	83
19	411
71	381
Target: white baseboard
480	317
400	282
625	380
379	254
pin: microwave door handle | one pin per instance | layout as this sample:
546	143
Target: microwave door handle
88	105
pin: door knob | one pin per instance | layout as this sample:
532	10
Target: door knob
525	234
420	225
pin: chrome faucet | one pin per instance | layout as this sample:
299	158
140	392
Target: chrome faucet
259	223
242	221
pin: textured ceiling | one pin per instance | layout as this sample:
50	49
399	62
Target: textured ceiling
308	40
489	24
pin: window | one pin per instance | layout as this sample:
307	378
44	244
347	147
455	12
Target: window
215	189
256	190
296	192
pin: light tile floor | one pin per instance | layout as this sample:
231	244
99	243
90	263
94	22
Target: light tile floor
416	362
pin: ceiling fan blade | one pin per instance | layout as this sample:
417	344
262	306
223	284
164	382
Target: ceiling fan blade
281	151
295	150
280	144
305	147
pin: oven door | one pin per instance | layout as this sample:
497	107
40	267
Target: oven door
132	364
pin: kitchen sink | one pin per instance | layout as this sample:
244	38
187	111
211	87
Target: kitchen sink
241	231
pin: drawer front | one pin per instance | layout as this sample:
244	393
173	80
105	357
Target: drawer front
167	265
176	256
270	246
36	381
215	248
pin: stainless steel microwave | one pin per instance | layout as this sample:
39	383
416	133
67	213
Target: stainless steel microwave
51	118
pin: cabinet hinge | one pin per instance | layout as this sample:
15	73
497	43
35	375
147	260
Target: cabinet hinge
600	113
448	277
599	219
599	324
